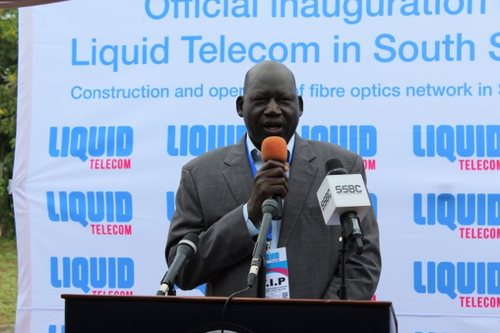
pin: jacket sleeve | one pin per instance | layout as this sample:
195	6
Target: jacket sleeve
219	222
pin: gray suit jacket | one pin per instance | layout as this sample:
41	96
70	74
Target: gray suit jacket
209	200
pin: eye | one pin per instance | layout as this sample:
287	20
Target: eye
284	98
259	100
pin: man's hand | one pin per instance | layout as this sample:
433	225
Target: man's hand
270	180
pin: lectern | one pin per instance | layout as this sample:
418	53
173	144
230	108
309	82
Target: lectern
95	313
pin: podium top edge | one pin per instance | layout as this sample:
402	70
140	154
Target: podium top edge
153	298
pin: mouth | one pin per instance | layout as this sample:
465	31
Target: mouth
273	127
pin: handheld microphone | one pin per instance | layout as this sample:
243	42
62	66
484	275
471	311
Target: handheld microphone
186	249
344	200
274	148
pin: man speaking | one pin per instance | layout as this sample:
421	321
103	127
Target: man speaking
221	194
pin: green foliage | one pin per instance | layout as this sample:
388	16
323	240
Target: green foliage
8	276
8	104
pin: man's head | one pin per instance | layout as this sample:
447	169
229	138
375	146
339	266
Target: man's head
270	105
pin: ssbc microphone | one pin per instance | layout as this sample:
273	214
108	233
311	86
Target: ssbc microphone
341	193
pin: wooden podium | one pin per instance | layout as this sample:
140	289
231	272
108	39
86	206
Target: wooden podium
93	313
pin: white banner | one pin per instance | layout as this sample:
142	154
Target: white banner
115	96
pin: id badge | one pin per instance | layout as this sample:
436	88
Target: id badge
277	274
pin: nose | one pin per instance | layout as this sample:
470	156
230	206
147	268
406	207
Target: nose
273	107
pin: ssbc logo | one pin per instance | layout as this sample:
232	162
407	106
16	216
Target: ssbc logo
101	275
348	189
326	199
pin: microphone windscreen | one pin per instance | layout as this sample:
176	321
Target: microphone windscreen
191	240
335	167
274	148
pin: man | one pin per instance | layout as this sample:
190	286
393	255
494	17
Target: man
221	193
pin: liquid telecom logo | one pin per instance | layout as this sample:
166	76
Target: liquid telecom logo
194	140
106	213
471	284
471	147
101	147
96	275
470	215
359	139
53	328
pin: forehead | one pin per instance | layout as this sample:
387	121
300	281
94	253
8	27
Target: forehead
270	77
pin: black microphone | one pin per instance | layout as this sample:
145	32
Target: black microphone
335	167
186	249
344	200
269	208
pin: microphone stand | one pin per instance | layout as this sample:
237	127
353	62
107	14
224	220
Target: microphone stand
269	208
351	231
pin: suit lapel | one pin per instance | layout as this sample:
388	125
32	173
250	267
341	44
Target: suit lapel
239	178
238	173
302	173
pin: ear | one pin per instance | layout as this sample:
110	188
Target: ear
301	105
239	106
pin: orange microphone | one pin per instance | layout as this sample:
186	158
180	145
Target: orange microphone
274	148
